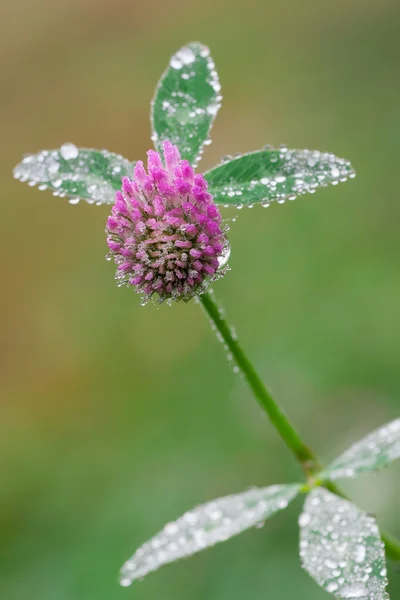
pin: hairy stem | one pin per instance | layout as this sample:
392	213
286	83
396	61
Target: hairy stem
307	459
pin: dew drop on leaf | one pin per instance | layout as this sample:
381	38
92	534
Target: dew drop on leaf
205	526
340	547
186	102
93	175
69	151
377	450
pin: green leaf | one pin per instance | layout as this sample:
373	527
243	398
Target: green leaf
340	547
207	525
268	175
376	450
186	101
93	175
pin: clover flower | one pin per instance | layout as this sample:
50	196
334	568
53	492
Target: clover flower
165	231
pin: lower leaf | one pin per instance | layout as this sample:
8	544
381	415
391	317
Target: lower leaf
377	450
207	525
340	547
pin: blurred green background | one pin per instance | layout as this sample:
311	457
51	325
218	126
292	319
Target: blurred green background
117	418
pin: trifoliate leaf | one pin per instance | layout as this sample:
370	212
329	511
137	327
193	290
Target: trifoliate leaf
207	525
340	547
376	450
268	175
76	173
186	101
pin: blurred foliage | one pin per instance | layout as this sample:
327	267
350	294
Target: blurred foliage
117	418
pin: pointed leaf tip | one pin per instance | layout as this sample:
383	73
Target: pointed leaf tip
186	101
271	175
377	450
340	547
207	525
76	173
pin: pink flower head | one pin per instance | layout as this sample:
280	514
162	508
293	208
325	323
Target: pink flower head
165	231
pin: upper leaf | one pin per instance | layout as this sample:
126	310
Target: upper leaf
341	549
376	450
93	175
205	526
186	101
267	175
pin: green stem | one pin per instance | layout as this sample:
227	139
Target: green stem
276	416
289	435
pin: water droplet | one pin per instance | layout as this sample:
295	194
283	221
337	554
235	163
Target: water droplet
186	55
224	257
355	590
304	519
54	167
212	109
69	151
360	553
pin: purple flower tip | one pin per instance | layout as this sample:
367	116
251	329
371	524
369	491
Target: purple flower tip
165	233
